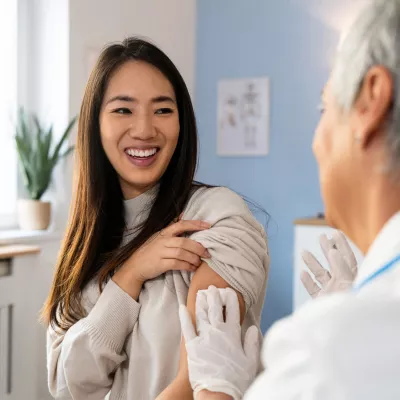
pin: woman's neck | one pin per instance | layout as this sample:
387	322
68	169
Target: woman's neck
130	191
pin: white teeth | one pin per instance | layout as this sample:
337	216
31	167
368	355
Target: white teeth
141	153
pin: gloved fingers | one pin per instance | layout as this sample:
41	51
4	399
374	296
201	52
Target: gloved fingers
251	344
202	321
215	306
187	327
312	288
326	244
344	247
339	268
321	275
232	310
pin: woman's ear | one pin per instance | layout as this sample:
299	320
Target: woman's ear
373	104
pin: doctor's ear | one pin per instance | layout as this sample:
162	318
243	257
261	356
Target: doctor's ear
373	105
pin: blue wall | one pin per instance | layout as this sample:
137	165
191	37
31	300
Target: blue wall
246	38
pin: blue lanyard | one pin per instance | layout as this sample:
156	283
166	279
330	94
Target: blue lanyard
380	271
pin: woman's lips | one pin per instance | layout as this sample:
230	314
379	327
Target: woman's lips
142	162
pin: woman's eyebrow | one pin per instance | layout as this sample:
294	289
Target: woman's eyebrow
130	99
122	97
162	99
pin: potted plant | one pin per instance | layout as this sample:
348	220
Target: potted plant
38	156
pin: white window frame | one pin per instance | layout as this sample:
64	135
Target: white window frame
9	46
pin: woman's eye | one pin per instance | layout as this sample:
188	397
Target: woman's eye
321	108
122	111
162	111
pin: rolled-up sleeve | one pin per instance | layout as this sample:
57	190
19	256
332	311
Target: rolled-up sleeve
236	241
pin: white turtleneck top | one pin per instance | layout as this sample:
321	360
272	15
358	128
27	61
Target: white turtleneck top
130	350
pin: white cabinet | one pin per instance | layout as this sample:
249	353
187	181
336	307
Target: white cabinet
22	339
306	237
17	329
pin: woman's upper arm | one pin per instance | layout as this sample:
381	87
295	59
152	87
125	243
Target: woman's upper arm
236	241
204	277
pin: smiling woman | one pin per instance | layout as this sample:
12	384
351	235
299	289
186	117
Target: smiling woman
144	237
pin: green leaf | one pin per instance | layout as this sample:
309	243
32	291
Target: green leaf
48	140
23	126
56	157
38	127
34	144
24	162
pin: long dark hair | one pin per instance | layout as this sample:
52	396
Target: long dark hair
92	245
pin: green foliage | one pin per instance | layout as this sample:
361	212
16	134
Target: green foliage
37	154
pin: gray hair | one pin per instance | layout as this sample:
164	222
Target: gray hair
373	39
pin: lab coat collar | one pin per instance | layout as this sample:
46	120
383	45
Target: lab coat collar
385	247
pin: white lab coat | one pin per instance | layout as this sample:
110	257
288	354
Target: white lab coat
344	346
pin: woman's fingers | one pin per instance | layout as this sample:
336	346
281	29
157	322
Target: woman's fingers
188	245
171	264
182	255
183	226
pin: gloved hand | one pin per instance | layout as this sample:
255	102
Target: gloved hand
342	263
217	359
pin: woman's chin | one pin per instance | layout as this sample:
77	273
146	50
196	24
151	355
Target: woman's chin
134	187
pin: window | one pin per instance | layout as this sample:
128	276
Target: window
8	108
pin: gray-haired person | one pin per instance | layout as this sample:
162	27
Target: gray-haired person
346	345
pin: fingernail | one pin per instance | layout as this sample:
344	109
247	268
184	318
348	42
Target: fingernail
204	224
207	254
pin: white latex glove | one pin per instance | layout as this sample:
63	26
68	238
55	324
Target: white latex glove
342	263
217	359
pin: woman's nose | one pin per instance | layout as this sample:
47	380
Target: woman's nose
142	128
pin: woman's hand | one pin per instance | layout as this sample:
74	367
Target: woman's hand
164	252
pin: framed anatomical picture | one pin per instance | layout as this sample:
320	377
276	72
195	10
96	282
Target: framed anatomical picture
243	117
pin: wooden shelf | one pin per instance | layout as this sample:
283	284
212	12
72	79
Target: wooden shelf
311	221
15	250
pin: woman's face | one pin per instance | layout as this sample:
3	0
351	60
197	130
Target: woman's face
333	147
139	125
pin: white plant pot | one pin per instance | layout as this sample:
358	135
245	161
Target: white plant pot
33	215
